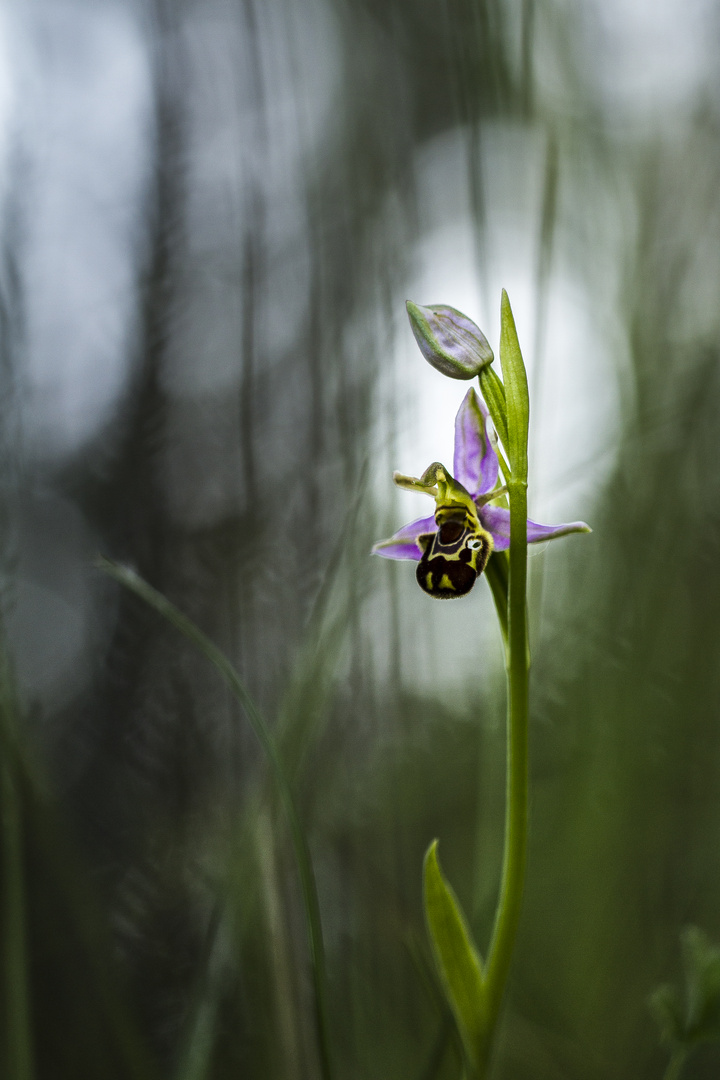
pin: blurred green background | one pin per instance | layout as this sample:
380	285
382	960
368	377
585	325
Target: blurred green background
211	214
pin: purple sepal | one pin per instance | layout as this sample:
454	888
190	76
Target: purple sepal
537	533
403	545
496	519
475	462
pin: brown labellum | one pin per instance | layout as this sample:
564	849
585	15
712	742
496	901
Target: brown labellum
453	558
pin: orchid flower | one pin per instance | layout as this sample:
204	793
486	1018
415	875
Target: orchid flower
453	546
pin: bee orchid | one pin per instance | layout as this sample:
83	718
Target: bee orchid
453	546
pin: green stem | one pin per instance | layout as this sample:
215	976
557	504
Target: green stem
497	575
676	1063
17	991
308	885
516	809
14	952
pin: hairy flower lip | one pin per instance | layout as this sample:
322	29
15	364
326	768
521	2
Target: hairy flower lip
475	468
449	340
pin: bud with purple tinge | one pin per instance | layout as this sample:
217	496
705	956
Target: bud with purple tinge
449	341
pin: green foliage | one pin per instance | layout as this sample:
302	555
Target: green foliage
693	1017
227	672
458	960
63	1007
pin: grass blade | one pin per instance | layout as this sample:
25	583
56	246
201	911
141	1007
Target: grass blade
132	581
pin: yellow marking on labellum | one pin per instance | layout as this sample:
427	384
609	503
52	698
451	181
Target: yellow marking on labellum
456	554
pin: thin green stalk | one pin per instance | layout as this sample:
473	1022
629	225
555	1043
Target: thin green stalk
516	810
19	1057
496	573
18	1051
507	916
196	1054
676	1063
222	665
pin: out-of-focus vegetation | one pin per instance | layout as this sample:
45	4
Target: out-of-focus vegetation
211	216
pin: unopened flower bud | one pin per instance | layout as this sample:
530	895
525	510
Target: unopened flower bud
449	341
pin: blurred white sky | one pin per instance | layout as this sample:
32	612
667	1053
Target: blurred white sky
653	56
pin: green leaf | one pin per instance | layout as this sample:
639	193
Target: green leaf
493	391
666	1008
457	958
696	1019
702	973
516	392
